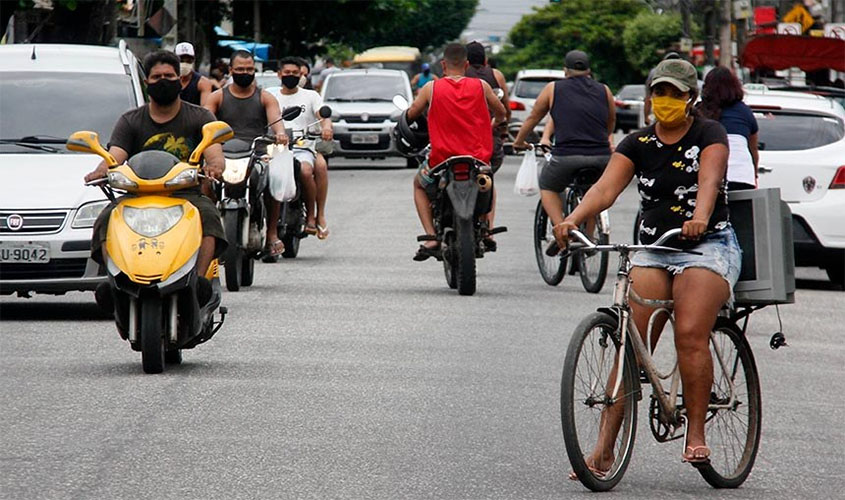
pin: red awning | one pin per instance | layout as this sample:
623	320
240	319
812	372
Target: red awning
808	53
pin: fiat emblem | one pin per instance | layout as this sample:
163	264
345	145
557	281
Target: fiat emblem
14	222
365	117
809	184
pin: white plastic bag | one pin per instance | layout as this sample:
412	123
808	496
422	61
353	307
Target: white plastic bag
527	179
282	182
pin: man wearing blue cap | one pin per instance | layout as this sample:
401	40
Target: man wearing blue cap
420	79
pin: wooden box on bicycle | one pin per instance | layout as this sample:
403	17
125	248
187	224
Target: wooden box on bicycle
763	226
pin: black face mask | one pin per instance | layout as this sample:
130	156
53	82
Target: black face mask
243	79
427	72
290	81
164	91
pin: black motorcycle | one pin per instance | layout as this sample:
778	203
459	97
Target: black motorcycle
462	198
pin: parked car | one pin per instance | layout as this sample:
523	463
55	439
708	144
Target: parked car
802	152
526	87
267	79
46	213
629	108
363	112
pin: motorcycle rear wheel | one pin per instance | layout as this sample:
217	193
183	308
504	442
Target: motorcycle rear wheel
233	259
449	265
152	342
247	271
465	256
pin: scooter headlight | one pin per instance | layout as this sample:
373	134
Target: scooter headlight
185	178
120	181
151	222
87	214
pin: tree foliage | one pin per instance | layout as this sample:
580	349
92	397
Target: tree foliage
648	36
542	39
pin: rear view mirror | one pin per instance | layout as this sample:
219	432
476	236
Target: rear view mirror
212	133
291	113
325	112
401	102
89	142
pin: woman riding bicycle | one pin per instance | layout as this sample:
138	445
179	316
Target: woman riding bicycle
680	164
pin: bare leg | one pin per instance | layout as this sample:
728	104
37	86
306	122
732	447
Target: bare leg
649	283
309	186
321	177
424	211
206	253
273	209
699	294
492	214
553	205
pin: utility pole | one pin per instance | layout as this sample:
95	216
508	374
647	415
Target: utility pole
725	49
256	21
685	17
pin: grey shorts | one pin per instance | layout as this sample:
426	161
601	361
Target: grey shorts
560	172
209	217
720	254
304	156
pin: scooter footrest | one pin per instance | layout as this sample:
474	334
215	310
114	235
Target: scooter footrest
427	237
497	230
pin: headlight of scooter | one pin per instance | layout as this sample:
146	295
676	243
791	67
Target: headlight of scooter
151	222
119	181
185	178
235	170
87	214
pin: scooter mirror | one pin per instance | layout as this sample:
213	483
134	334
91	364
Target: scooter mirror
325	112
212	133
499	93
401	102
85	141
291	113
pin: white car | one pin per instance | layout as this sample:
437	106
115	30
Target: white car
46	213
802	152
523	94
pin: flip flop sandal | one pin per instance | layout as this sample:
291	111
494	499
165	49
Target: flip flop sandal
322	232
424	253
696	455
310	229
595	471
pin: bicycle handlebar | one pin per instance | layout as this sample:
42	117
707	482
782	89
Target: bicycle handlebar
584	243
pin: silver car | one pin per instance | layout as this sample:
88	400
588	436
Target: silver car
46	213
526	87
363	113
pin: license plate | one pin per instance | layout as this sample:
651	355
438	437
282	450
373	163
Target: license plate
29	253
364	138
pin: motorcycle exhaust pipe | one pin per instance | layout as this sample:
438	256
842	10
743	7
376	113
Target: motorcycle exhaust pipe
484	182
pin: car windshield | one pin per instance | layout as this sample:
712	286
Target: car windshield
363	87
58	104
632	92
782	131
530	88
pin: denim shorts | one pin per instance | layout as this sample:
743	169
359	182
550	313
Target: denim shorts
720	253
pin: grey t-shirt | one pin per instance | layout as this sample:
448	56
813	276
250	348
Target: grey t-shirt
135	131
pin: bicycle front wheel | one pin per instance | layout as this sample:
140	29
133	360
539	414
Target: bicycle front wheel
599	425
592	265
733	429
551	268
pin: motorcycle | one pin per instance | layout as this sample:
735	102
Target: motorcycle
242	206
292	218
462	198
151	249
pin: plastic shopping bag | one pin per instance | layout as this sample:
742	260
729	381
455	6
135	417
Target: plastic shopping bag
282	182
527	179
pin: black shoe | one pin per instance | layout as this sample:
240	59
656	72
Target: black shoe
424	252
204	290
104	297
490	244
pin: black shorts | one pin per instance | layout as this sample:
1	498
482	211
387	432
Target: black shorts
209	217
561	171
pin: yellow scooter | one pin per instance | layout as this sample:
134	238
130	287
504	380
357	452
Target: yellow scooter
151	250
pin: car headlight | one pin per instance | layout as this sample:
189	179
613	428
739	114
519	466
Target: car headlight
151	222
120	181
187	178
87	214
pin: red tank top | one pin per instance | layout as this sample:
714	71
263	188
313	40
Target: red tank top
458	121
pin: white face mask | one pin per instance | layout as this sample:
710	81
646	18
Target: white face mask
185	68
302	81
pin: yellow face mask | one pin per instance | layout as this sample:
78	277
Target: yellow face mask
669	111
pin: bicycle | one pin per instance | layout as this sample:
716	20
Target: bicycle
610	339
591	267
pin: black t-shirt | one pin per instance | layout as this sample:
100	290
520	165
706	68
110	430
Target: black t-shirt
667	177
136	131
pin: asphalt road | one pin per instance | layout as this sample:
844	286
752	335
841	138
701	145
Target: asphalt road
354	372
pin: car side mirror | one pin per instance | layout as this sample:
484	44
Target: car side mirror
401	102
212	133
85	141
